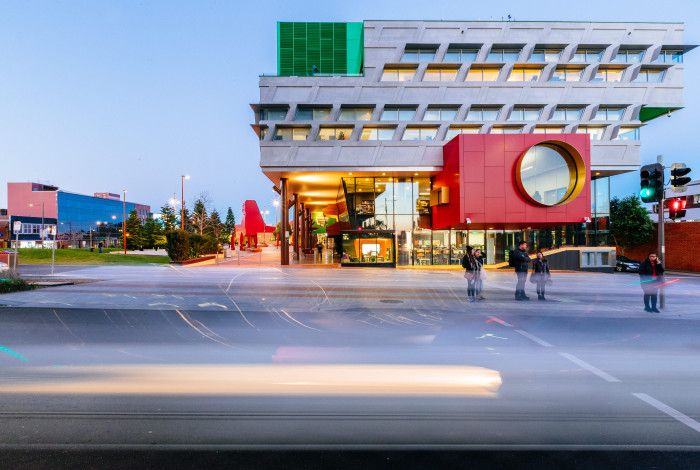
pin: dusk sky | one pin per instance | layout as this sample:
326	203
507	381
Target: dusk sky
102	96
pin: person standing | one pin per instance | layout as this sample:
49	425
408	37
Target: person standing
479	283
540	274
470	266
520	261
651	273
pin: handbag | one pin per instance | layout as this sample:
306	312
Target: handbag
468	275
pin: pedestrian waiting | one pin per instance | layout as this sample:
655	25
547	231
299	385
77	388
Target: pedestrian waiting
651	275
481	275
471	273
520	261
540	274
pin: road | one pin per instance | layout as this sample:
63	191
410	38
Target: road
346	358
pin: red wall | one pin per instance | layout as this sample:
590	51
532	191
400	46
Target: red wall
682	247
20	195
479	169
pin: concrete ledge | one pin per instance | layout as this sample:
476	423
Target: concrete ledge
208	259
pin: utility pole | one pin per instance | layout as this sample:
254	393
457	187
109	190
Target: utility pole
124	220
660	226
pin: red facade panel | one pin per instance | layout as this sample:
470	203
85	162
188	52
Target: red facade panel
481	170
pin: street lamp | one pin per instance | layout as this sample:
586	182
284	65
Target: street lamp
182	209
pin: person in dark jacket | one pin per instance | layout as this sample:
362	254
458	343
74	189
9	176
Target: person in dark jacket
520	260
471	273
540	274
479	283
651	274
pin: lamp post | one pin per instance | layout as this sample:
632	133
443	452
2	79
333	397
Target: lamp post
124	221
182	208
276	203
109	239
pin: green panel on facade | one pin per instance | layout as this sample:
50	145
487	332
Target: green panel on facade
648	113
305	49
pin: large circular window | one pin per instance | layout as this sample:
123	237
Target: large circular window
550	174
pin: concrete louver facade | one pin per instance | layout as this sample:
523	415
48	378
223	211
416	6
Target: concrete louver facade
386	42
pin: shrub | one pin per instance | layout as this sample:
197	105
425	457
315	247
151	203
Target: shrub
10	282
178	245
202	245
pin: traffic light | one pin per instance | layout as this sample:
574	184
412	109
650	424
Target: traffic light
678	178
676	208
651	182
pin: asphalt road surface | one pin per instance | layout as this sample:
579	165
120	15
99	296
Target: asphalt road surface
253	358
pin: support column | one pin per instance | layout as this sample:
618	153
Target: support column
309	231
296	225
284	222
302	226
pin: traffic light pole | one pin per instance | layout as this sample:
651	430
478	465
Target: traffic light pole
661	246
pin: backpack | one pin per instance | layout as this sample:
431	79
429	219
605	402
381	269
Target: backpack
511	259
465	262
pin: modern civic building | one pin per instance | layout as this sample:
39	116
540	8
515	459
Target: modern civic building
400	142
81	219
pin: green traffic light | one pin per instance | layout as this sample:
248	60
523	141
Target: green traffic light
646	193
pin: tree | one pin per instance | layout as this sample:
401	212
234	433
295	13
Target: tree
168	217
199	215
178	245
152	234
230	225
216	228
188	221
134	231
630	224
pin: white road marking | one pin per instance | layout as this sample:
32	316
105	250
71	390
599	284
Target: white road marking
212	304
534	338
590	368
490	335
672	412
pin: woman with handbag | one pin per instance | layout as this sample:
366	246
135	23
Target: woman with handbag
540	274
471	273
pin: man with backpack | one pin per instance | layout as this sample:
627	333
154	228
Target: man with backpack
520	261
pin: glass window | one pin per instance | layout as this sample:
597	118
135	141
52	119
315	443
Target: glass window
600	189
420	133
548	130
521	113
503	55
273	114
545	173
628	133
398	74
628	55
586	55
440	75
563	74
460	55
670	56
305	113
563	113
605	74
454	131
595	132
397	113
440	114
292	133
483	74
506	129
355	114
263	133
650	76
377	133
608	114
545	55
334	133
477	113
418	54
524	74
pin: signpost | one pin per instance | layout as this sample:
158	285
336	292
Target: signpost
52	231
16	227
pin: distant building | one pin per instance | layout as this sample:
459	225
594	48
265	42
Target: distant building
81	219
4	228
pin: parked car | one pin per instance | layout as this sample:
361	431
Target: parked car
625	264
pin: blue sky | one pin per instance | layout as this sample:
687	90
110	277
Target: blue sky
101	96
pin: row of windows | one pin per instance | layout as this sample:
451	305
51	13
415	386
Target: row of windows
583	54
446	113
431	132
35	229
486	73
